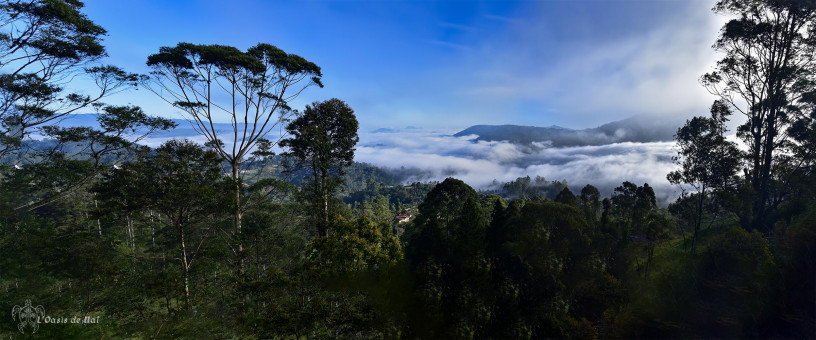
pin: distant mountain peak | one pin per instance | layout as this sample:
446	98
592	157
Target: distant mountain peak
641	128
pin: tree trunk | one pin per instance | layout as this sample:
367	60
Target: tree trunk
185	266
765	174
238	215
317	200
698	221
131	234
325	206
98	224
152	230
777	64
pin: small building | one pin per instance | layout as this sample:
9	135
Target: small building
404	216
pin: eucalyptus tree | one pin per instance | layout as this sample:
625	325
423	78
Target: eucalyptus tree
252	89
567	197
179	186
768	72
45	45
707	160
590	199
75	156
323	139
631	203
446	253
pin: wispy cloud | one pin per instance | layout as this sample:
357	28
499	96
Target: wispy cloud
457	26
449	44
585	78
500	18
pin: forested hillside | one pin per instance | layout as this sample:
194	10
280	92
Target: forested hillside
102	237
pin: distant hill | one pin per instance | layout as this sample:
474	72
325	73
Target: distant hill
635	129
183	130
390	130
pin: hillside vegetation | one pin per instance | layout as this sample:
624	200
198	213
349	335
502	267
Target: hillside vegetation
103	237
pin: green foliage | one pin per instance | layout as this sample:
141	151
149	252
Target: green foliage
567	197
92	224
550	273
180	182
492	204
323	140
446	255
630	204
525	187
590	200
725	293
259	79
43	44
354	246
767	74
795	254
708	162
399	196
377	209
253	88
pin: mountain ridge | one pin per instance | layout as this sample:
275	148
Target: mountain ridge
641	128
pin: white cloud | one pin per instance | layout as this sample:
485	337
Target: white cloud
653	72
441	155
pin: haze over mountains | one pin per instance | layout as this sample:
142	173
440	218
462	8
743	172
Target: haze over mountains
183	130
638	149
638	129
642	129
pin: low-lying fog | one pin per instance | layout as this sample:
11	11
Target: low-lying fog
438	154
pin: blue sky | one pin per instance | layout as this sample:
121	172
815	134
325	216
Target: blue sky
450	64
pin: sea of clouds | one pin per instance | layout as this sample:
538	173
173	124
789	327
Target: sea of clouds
433	155
438	154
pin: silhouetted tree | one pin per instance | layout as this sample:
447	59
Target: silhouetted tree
446	255
323	139
707	160
252	89
43	45
767	72
567	197
590	199
632	203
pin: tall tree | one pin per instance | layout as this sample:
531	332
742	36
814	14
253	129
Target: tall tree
446	253
632	203
179	187
767	70
323	139
44	45
252	89
590	199
707	160
74	156
567	197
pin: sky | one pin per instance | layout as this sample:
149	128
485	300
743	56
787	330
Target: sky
450	64
427	69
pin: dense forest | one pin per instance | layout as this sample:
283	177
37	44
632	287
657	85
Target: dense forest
244	237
